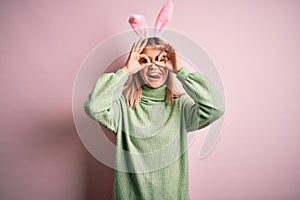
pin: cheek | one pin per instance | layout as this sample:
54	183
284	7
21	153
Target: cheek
166	73
143	77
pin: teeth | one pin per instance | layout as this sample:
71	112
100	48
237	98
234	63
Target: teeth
154	74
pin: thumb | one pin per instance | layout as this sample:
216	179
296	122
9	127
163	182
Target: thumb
167	65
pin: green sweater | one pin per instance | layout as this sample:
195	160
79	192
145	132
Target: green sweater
151	140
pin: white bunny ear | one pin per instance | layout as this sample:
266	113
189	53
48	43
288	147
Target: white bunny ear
164	17
139	24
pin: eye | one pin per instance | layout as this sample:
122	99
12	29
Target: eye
143	61
163	58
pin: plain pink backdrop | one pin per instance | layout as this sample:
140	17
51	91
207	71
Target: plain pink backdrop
254	44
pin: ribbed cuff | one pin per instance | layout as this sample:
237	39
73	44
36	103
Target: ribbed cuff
182	74
122	75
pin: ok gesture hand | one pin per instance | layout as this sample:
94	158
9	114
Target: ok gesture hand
170	60
133	65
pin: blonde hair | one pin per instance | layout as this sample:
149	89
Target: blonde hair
133	88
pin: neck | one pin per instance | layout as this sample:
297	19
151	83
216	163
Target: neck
155	94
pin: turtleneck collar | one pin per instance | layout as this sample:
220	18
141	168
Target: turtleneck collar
155	94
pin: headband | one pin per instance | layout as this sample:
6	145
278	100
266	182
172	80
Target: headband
140	26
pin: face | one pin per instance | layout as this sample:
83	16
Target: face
153	75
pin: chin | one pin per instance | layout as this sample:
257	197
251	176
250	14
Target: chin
155	85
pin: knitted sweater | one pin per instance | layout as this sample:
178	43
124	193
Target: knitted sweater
151	140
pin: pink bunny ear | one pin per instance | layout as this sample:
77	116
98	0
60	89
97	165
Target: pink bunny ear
164	17
139	24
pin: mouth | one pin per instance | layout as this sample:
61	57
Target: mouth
154	75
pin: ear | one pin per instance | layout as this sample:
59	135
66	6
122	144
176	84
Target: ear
164	17
139	24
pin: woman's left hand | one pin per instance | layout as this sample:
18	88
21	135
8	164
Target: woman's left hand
170	59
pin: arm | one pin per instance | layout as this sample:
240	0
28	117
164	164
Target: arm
203	106
102	104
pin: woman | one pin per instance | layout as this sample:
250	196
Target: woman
151	120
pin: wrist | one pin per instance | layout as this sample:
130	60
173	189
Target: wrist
125	68
178	69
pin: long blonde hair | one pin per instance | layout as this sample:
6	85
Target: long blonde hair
133	88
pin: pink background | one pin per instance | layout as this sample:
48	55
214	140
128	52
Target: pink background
254	44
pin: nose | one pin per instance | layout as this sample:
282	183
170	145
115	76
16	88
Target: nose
152	66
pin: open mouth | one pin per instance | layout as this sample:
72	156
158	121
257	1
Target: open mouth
154	75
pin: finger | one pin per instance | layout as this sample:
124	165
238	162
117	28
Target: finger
133	47
171	48
137	47
140	67
143	59
159	64
145	65
143	45
165	66
161	55
144	56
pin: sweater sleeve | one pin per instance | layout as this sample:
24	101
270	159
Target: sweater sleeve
103	103
202	106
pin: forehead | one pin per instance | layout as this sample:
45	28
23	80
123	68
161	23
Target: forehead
152	51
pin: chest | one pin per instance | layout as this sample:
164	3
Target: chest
148	120
150	127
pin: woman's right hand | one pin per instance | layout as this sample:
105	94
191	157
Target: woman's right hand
133	65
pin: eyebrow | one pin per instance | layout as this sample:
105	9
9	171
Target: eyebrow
157	54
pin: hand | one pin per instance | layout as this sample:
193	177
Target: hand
133	65
170	60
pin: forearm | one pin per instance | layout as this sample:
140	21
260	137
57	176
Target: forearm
207	105
107	89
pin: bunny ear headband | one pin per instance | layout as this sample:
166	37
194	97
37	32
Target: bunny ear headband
140	26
